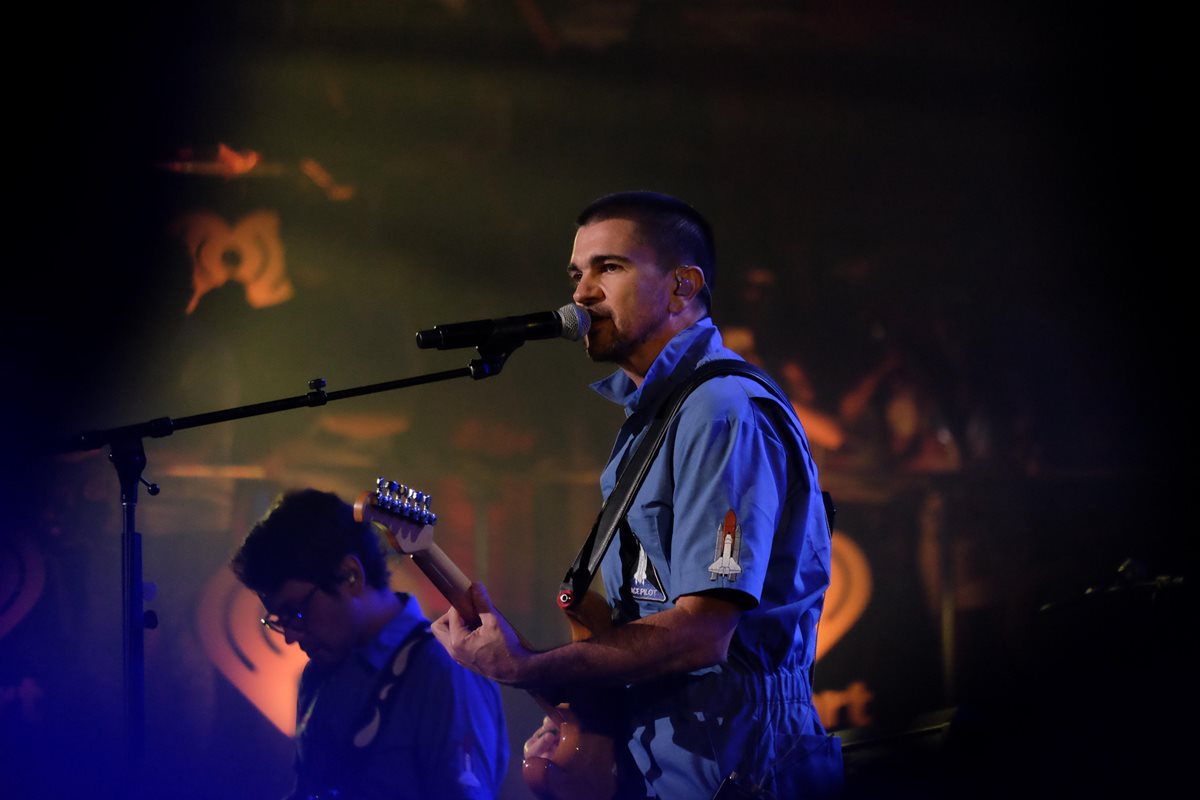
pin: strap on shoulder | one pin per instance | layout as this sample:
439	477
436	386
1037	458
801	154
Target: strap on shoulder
579	576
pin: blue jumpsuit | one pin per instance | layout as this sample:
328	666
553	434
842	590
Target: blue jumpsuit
731	503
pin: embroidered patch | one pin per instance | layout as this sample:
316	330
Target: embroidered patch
645	584
467	776
729	544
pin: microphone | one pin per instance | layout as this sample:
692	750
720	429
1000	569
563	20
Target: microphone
570	322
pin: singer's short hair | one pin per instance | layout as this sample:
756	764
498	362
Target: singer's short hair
678	232
305	536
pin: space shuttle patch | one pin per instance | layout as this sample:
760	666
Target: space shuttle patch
467	776
644	583
729	543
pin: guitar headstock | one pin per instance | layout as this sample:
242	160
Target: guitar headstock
402	511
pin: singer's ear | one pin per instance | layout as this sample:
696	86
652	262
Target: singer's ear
689	280
352	574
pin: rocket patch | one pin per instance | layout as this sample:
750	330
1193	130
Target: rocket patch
645	584
467	776
729	544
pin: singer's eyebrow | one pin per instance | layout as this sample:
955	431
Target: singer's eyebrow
600	259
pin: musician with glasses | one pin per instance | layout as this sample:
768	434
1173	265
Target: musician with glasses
382	711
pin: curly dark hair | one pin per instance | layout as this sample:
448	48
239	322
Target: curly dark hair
305	536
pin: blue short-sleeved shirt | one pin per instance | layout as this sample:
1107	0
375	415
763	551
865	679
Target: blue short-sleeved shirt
443	736
731	502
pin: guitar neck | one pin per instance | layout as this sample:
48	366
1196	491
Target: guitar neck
453	585
448	579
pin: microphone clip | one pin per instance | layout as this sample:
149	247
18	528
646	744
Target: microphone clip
493	354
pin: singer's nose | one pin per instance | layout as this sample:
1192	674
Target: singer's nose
587	291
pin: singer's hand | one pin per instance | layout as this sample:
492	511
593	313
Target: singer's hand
543	741
493	649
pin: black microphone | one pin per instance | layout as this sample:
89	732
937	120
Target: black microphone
570	322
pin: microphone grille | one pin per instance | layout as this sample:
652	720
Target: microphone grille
575	322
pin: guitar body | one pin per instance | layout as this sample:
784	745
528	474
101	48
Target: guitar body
583	764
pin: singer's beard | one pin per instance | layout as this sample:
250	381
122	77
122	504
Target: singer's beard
605	342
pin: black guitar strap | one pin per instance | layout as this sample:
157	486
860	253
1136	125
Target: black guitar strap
334	770
579	576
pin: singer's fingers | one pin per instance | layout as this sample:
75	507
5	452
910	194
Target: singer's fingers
455	630
542	743
441	629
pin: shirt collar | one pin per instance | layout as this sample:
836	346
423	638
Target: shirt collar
679	356
377	651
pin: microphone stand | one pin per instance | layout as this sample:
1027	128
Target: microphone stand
128	457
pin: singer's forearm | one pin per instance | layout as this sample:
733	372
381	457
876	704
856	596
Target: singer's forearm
692	635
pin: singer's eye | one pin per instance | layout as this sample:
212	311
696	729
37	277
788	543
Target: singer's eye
574	276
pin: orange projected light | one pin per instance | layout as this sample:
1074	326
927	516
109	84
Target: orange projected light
225	163
848	594
845	600
22	579
320	176
236	163
252	658
249	252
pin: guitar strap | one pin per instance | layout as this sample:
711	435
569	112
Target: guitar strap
382	700
579	576
333	768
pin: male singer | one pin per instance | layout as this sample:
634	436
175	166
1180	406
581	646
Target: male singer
716	584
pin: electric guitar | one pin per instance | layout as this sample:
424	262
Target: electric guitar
583	765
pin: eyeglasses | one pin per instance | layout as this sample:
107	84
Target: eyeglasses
292	619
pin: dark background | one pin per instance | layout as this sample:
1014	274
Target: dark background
984	194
